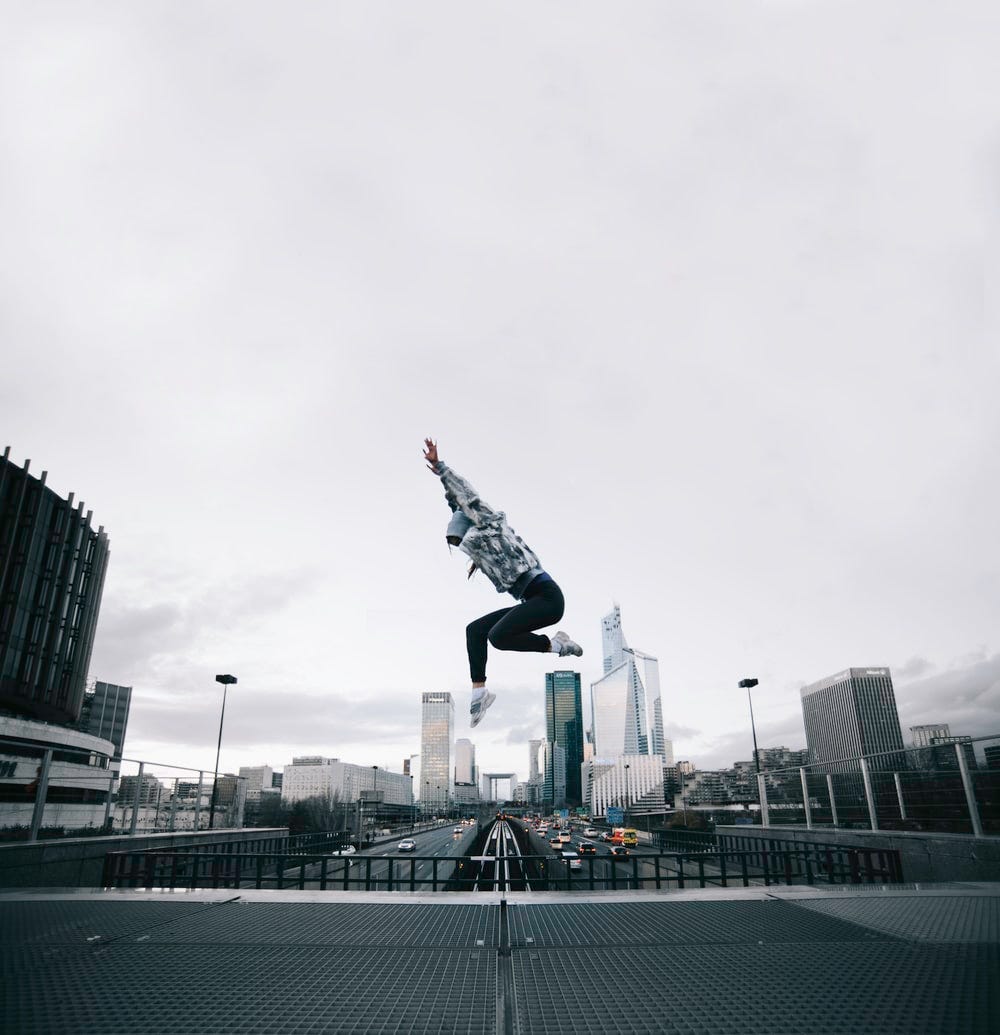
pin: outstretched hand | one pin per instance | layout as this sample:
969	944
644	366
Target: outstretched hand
431	453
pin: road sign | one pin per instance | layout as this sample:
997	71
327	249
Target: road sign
616	816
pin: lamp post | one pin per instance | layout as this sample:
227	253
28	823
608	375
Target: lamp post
627	802
226	681
748	683
375	809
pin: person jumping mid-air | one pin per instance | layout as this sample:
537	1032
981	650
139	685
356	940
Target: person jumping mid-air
506	560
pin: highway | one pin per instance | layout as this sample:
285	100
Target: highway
433	859
609	872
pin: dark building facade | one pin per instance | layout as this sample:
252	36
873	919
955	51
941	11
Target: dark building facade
52	568
104	713
564	726
852	714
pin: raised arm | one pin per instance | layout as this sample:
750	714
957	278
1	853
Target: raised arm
458	492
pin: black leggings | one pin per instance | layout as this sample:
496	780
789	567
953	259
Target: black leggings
512	628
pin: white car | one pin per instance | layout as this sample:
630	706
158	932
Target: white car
409	845
572	860
346	850
591	832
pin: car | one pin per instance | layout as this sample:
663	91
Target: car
607	835
346	850
457	830
587	848
619	851
555	842
572	860
407	845
591	832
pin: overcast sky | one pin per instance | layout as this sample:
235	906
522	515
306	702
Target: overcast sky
694	292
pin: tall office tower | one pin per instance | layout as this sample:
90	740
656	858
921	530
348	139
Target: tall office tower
104	713
618	714
257	777
554	794
851	714
534	759
922	736
658	743
437	749
564	725
620	724
613	639
465	761
52	567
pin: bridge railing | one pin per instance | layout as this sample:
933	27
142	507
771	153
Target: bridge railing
812	864
69	790
951	786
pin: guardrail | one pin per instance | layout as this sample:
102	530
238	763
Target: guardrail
812	864
70	790
940	788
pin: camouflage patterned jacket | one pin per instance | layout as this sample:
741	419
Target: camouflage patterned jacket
497	550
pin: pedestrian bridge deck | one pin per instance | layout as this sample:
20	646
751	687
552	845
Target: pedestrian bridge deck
795	960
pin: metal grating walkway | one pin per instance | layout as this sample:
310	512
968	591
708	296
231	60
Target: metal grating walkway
768	961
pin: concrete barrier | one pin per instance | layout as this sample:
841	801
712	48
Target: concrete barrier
924	856
78	862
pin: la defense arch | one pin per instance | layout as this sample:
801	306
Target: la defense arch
490	782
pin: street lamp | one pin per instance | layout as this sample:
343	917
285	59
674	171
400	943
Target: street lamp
748	683
627	802
226	681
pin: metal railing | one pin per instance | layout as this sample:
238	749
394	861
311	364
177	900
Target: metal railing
941	788
801	864
68	790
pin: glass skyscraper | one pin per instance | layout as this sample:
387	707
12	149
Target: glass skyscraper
437	750
620	722
564	725
465	761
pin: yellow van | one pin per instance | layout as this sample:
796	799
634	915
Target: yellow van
624	836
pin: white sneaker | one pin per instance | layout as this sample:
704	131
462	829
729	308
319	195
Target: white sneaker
477	709
566	645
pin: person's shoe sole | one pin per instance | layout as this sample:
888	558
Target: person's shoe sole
478	708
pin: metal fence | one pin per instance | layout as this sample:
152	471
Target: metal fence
945	787
64	790
239	868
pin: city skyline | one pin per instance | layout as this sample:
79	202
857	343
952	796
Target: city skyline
701	314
